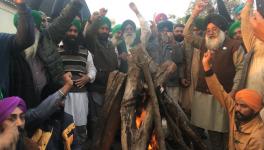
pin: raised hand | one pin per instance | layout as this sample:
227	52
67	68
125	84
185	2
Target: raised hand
206	60
199	7
102	11
257	22
133	7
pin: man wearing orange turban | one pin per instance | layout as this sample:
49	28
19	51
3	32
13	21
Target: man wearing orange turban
246	129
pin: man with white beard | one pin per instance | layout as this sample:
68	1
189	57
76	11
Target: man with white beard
227	62
131	37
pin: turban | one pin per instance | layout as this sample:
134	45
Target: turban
217	20
167	24
103	21
251	97
238	9
233	27
77	24
36	16
116	28
158	17
8	105
127	22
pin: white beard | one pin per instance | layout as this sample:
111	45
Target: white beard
215	43
31	51
129	38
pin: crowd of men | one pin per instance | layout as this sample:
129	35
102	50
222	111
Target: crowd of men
54	74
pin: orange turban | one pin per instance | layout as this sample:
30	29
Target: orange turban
251	97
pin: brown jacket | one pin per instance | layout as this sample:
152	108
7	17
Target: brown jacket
251	134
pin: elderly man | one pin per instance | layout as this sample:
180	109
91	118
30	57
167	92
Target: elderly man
130	37
246	129
253	37
227	63
15	43
77	60
14	110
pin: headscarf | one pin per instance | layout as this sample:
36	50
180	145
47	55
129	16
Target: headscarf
116	28
167	24
233	27
127	22
217	20
77	23
105	20
158	16
8	105
251	97
36	16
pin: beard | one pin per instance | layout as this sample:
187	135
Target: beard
31	51
129	38
215	43
103	37
71	44
164	38
178	38
240	118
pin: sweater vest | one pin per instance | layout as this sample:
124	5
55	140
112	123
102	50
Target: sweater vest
75	63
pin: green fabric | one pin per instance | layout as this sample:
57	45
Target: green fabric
36	16
77	24
238	9
116	28
105	20
233	27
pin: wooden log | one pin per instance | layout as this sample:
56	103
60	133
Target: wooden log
109	120
157	118
184	123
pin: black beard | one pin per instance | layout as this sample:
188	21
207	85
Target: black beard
240	118
103	37
71	44
178	38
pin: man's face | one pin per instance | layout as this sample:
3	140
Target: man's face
129	29
72	33
17	117
238	34
212	31
243	112
178	34
103	29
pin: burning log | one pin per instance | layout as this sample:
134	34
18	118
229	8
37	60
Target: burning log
109	121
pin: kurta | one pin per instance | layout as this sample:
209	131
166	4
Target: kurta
251	134
206	112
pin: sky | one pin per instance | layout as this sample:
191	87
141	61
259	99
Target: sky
119	9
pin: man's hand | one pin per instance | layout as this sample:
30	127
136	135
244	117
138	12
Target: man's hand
206	60
185	82
102	12
257	22
82	81
199	7
9	136
133	7
19	1
67	77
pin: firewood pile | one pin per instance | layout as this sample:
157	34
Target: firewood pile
138	103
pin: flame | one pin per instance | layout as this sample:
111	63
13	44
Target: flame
139	119
153	145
